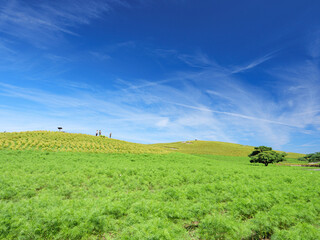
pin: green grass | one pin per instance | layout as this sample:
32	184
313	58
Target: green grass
213	148
70	195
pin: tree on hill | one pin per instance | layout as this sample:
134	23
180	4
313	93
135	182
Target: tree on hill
266	155
312	157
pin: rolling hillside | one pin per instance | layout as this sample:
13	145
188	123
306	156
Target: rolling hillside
212	148
71	142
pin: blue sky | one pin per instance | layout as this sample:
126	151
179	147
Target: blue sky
148	71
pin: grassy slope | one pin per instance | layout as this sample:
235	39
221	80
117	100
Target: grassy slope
213	148
70	142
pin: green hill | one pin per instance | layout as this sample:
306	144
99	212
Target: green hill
71	142
212	148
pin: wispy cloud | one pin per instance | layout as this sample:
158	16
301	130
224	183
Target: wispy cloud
240	110
100	56
313	45
57	58
236	115
196	60
207	102
40	23
4	47
210	104
254	63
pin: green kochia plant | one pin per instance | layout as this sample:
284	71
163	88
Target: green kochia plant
266	155
85	195
312	157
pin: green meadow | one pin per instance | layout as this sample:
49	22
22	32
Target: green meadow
59	190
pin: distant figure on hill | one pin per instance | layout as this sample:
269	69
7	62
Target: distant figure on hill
110	135
97	133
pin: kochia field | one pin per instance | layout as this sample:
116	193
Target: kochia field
73	195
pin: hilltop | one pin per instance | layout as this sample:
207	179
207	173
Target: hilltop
71	142
213	148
